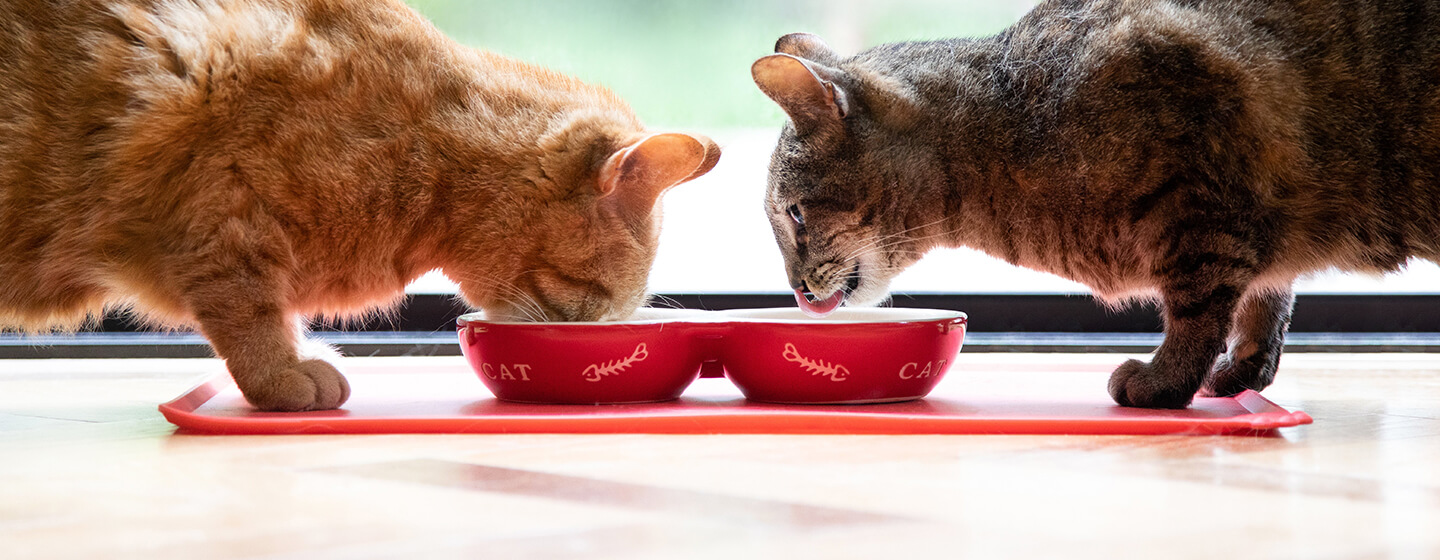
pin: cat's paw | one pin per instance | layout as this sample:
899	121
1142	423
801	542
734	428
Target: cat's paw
308	385
1138	384
1229	378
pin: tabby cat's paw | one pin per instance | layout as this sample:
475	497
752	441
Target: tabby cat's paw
1230	378
1136	383
308	385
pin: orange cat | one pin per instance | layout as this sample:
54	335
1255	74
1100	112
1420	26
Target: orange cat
239	165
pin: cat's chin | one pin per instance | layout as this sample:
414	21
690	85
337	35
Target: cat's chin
869	294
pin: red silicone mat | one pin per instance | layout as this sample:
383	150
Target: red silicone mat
446	397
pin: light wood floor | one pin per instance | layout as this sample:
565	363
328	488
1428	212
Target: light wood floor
89	469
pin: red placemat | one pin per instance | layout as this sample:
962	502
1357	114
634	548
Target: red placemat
1013	399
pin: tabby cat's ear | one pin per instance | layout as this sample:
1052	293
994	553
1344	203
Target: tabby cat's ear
809	47
804	89
638	174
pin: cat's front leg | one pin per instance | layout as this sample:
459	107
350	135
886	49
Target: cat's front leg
1196	322
1256	341
261	345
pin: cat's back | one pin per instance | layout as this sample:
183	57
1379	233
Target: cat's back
1305	102
78	76
1314	116
1334	69
115	114
102	102
42	60
98	77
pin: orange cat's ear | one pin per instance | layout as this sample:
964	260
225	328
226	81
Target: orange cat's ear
639	173
805	90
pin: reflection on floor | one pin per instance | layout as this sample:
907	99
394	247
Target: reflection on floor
89	469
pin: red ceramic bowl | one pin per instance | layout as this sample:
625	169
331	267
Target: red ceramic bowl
863	355
649	358
852	356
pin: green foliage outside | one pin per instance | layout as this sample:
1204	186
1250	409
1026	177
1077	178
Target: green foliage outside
686	63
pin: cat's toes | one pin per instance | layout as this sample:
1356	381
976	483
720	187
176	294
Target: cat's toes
1229	378
1138	384
308	385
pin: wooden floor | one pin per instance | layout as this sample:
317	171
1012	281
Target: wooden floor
89	469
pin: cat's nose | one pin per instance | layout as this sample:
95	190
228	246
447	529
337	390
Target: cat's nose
804	287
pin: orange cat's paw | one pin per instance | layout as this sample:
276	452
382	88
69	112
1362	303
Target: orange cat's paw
308	385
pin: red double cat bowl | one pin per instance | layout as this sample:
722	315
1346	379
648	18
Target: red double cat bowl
863	355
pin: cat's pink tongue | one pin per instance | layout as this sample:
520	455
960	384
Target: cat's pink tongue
818	309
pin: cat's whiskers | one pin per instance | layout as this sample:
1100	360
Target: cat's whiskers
524	313
522	302
872	248
528	305
908	230
534	311
669	302
889	241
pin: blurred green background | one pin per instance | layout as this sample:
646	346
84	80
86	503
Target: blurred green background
686	63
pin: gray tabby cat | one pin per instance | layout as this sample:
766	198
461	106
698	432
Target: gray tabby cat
1205	153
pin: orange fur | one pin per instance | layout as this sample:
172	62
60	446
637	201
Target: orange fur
239	165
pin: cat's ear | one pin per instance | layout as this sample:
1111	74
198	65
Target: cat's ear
639	173
809	47
888	101
804	90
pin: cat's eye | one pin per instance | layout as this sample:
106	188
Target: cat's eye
795	214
